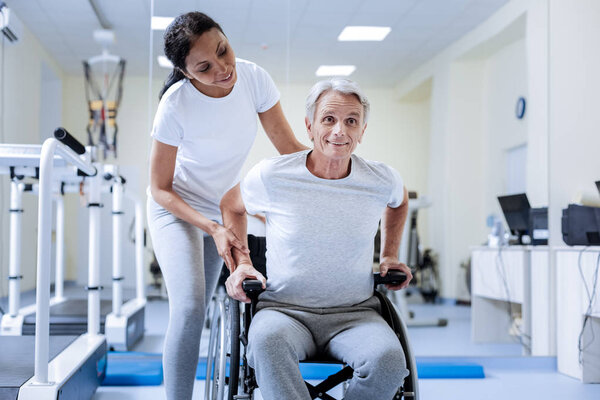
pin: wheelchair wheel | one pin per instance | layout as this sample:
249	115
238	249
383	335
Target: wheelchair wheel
410	390
216	360
234	347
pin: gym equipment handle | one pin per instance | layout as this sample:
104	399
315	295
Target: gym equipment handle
393	277
67	139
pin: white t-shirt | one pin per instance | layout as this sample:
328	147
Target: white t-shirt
320	232
213	135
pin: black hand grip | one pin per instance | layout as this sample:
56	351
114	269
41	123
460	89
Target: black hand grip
67	139
252	287
393	277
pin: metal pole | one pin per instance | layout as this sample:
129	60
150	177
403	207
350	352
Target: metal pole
117	217
14	263
59	278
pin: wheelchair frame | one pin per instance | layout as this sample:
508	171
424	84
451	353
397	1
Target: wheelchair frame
227	347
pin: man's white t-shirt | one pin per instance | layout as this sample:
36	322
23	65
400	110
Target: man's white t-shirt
213	135
320	232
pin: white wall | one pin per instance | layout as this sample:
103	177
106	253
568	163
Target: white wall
574	105
476	83
20	123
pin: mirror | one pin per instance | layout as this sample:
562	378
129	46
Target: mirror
445	88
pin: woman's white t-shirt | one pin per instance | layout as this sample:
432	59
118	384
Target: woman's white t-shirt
213	135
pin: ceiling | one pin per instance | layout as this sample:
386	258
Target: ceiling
290	38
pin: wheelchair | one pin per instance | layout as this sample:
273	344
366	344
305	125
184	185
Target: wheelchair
228	375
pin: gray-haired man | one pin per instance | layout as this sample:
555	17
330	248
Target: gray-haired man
322	209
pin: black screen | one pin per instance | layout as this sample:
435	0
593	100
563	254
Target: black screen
598	186
516	211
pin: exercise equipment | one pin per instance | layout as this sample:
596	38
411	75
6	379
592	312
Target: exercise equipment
103	98
123	323
60	367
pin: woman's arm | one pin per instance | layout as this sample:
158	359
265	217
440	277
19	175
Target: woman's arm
162	168
279	131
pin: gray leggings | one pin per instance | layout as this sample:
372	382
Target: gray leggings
190	266
281	335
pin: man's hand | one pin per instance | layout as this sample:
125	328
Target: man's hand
234	282
388	264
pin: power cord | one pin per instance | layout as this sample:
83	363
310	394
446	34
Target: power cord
591	298
2	140
524	339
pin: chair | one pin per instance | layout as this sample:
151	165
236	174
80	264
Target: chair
228	375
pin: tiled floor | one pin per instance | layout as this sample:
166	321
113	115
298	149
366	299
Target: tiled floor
508	376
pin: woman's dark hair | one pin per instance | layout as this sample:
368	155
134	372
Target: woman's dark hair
178	39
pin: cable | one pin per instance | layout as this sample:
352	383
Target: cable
521	335
2	140
591	298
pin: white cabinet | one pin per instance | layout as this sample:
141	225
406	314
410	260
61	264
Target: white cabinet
575	269
508	281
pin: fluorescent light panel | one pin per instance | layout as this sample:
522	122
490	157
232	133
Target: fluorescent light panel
335	70
164	62
364	33
161	23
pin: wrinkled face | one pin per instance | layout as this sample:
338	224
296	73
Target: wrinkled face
210	65
337	126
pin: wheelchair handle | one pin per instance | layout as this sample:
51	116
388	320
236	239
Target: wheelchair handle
252	287
393	277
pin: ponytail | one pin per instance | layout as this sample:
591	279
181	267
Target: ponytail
175	76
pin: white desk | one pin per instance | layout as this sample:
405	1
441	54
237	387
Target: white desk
572	303
517	277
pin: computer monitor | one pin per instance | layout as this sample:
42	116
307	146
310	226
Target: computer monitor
598	186
516	211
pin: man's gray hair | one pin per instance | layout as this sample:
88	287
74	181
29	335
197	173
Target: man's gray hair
344	86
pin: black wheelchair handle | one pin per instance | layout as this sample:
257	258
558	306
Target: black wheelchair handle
393	277
252	287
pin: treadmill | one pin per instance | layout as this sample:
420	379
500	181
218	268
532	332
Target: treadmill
41	367
68	316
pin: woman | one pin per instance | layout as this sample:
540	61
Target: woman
203	130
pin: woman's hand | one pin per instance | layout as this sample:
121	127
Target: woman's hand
226	241
236	278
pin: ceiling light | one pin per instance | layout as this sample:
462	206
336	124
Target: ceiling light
335	70
164	62
161	23
364	33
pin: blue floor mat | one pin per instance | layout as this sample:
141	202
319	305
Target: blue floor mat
133	369
454	370
425	370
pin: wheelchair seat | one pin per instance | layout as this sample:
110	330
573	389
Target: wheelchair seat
229	337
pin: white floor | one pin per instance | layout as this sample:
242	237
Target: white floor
508	376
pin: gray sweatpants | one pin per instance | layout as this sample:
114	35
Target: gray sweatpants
190	266
280	335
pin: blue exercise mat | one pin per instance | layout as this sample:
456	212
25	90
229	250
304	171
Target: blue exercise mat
449	370
425	370
133	369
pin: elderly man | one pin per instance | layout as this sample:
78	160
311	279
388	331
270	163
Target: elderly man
322	209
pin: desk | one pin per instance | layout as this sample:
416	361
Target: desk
516	278
572	304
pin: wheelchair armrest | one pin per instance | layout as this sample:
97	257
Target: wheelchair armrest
252	287
393	277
